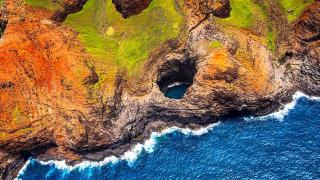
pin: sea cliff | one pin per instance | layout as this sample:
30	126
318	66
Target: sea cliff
82	80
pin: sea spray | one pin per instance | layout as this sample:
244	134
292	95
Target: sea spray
129	156
148	145
281	113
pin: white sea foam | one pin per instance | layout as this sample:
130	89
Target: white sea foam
148	145
129	156
283	112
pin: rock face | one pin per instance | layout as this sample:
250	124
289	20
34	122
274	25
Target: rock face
60	101
131	7
307	31
10	165
68	7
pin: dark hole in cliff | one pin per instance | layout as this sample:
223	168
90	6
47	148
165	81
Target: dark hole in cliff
3	25
175	77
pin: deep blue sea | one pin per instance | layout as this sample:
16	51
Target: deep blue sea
243	148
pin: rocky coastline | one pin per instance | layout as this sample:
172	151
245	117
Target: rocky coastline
55	104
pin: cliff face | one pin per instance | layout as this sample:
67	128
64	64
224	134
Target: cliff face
85	79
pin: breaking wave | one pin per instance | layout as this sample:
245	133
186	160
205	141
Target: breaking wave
149	145
129	156
283	112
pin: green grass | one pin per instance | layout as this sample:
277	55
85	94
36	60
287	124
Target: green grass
293	8
271	35
215	44
243	14
271	40
126	42
47	4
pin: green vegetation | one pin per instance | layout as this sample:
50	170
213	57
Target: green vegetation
288	68
244	13
23	131
271	40
293	8
47	4
1	2
16	115
215	44
125	42
271	35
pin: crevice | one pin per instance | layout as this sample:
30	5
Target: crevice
200	22
3	25
115	106
93	77
5	85
312	39
219	9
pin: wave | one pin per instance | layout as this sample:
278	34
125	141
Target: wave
129	156
283	112
149	145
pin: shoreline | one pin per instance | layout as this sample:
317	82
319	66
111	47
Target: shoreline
76	95
148	145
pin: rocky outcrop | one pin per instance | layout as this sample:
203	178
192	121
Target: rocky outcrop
10	165
199	11
131	7
68	7
307	42
56	104
307	28
219	8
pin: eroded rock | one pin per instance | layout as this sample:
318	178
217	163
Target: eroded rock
10	165
131	7
307	26
68	7
57	101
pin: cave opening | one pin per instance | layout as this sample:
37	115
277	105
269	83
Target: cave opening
175	77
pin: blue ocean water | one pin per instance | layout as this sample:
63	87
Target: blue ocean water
177	91
235	149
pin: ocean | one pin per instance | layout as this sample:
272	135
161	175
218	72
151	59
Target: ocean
282	145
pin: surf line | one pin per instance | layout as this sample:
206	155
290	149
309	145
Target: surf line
283	112
129	156
149	145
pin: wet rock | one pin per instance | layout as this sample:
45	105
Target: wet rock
10	165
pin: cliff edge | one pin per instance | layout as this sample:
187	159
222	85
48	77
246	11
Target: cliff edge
85	79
